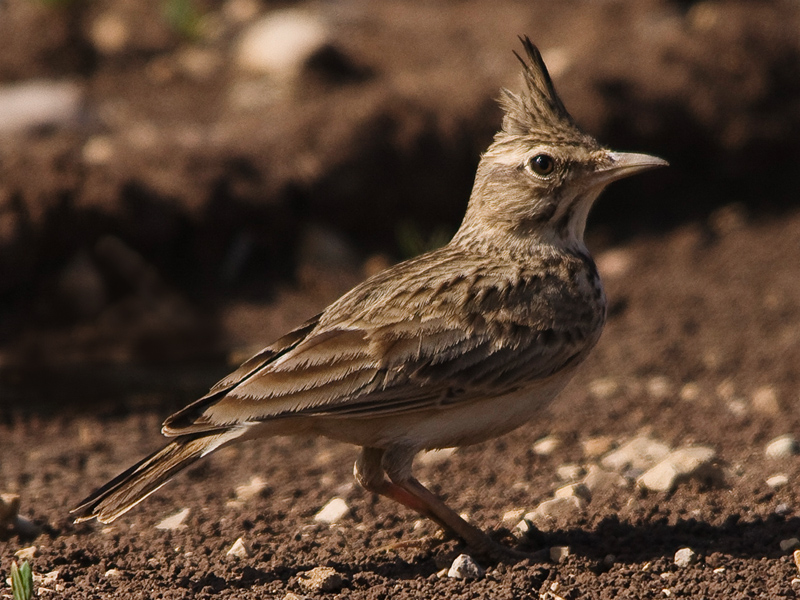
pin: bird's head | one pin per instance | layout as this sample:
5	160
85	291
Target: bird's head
541	175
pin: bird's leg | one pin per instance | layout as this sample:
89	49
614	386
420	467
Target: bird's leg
405	489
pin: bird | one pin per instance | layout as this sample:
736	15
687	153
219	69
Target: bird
451	348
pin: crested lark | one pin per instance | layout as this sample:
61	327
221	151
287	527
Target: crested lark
451	348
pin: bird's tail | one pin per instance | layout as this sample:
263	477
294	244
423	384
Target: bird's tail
127	489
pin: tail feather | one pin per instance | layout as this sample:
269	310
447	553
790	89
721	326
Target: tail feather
127	489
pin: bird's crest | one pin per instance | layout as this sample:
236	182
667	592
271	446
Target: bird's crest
538	109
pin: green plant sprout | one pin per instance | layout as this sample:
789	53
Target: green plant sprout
21	581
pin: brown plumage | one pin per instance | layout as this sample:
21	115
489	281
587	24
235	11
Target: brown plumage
453	347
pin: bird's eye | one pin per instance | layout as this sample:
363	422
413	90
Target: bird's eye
542	164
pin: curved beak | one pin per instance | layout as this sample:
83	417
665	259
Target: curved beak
623	164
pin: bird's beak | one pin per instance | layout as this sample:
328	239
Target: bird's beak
622	164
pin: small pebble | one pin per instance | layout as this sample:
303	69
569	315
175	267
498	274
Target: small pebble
175	521
782	509
293	596
512	516
321	579
240	549
685	557
603	388
578	490
569	472
546	446
333	511
796	557
765	400
598	480
641	452
778	481
558	554
789	544
609	560
595	447
659	386
782	447
681	464
464	567
690	392
112	573
556	509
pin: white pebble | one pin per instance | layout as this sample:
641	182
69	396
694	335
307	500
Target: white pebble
175	521
280	43
569	472
641	452
778	481
512	516
765	400
240	549
465	567
546	446
598	480
35	103
555	509
112	573
333	511
684	463
578	490
685	557
782	446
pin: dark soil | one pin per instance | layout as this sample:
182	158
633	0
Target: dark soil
129	286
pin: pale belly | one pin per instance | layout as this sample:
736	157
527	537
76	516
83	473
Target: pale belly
458	425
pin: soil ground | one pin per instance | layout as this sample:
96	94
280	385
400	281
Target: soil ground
696	306
174	226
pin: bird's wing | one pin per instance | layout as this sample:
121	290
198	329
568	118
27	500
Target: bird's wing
402	354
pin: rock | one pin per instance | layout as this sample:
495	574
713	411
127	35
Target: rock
511	517
281	43
558	554
293	596
464	567
789	544
685	557
556	509
250	490
614	263
98	150
240	549
175	521
682	464
434	457
765	400
778	481
9	508
109	33
38	103
600	480
112	574
28	553
690	392
640	453
546	446
659	387
335	510
604	388
796	557
569	472
782	446
576	490
321	579
597	446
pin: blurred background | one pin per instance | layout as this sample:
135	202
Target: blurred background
181	181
